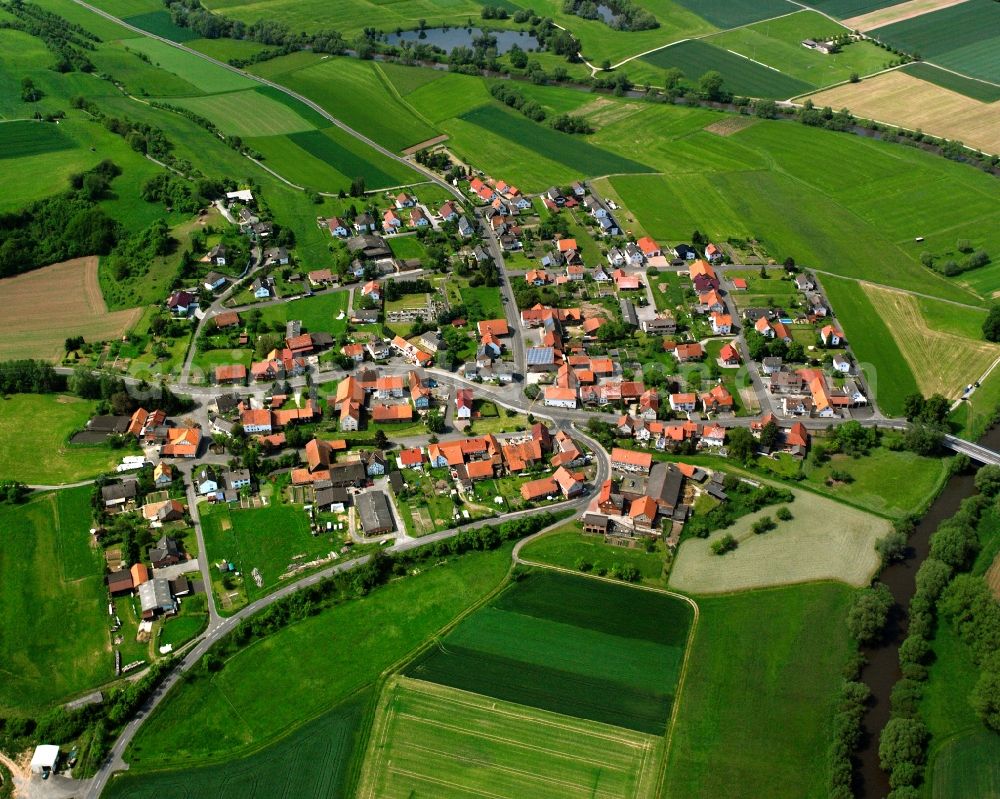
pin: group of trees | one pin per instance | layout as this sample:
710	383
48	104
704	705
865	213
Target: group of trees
29	377
974	259
928	423
513	97
68	225
967	603
869	613
761	347
191	14
626	16
991	325
67	41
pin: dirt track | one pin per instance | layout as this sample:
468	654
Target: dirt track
896	13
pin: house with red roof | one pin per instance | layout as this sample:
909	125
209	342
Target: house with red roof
729	355
648	247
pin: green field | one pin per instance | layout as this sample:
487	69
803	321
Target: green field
567	545
731	13
269	539
755	713
54	640
482	302
520	133
742	76
824	540
358	93
437	741
245	113
778	43
893	484
34	440
311	763
207	77
569	645
963	37
309	666
976	89
843	9
887	372
160	24
20	139
225	49
351	158
317	314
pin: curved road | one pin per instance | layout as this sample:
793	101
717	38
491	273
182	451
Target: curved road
219	626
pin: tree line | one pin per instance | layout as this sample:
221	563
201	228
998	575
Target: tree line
67	41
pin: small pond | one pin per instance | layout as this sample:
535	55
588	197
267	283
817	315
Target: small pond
606	14
450	38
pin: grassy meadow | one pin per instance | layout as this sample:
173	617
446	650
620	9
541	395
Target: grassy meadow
566	546
34	440
824	540
778	44
451	743
309	666
754	716
892	484
54	641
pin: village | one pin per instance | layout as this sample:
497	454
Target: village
530	354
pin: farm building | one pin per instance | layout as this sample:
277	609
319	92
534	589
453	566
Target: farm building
45	759
376	515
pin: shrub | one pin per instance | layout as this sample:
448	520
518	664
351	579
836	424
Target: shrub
892	546
725	544
763	525
784	514
868	615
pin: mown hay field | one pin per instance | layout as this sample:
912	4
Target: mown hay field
54	640
43	307
247	113
825	540
942	362
570	645
429	740
207	77
902	99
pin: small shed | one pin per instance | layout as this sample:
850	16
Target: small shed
45	758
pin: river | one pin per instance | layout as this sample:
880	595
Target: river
882	669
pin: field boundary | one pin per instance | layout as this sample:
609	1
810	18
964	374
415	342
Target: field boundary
688	644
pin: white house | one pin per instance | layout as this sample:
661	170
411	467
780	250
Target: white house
556	397
842	364
463	403
683	403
